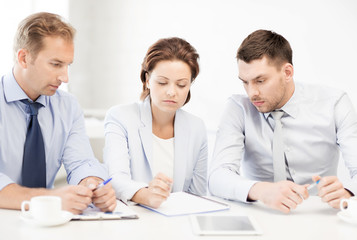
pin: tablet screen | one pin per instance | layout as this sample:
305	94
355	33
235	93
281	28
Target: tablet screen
224	225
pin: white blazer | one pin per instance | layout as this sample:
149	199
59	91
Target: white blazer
128	150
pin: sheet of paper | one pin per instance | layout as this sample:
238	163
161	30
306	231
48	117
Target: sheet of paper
122	211
182	203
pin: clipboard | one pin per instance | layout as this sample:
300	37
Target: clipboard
183	203
92	213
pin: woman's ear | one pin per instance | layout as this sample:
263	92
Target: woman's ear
147	80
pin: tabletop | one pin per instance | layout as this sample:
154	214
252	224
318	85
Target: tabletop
312	219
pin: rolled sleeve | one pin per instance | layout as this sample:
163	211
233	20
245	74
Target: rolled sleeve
4	181
78	157
229	185
225	179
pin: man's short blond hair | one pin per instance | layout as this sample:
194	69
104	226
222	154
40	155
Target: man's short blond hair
33	29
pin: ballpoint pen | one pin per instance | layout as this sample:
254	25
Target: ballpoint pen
103	183
99	186
313	184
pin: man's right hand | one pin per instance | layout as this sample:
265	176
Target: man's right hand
75	198
283	196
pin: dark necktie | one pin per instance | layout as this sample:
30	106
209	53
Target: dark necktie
34	160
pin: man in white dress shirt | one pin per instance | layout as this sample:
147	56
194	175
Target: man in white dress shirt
317	123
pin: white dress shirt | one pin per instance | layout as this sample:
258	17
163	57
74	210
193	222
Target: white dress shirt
318	123
163	156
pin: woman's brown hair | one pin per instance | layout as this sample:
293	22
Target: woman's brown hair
169	49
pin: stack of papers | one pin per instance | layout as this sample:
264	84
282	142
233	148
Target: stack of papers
182	203
122	211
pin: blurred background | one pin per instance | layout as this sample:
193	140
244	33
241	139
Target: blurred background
114	35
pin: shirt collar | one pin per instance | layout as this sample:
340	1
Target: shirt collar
291	107
13	92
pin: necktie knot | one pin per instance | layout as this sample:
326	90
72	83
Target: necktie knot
34	106
277	115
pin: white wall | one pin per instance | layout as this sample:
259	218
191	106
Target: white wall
113	37
14	11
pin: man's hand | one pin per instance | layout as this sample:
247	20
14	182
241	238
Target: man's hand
103	197
331	190
74	198
282	196
90	182
158	191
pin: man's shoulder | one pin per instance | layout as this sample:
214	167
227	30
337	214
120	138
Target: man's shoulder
64	101
319	92
63	95
240	101
239	98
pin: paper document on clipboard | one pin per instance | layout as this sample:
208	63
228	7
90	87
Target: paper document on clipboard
122	211
182	203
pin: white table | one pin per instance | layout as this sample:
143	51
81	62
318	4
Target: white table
312	220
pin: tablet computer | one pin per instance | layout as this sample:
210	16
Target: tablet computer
224	225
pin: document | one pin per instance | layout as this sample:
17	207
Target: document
122	211
182	203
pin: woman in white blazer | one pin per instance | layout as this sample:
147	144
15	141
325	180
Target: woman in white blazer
154	147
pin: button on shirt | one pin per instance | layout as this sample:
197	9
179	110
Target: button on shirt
318	123
63	130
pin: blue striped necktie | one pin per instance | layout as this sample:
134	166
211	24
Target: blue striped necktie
34	160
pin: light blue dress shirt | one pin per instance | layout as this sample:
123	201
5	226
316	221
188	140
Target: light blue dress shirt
63	130
319	123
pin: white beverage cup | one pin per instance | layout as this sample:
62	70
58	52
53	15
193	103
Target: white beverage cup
349	206
43	208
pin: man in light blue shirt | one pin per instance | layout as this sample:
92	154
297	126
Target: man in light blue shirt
317	123
43	52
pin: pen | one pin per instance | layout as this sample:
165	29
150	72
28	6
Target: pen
313	184
103	183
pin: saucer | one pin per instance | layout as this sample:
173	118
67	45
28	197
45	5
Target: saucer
65	217
347	218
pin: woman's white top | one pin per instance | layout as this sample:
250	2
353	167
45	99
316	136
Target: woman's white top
163	156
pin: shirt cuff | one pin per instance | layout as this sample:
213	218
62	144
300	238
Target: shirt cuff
87	170
130	191
4	181
230	185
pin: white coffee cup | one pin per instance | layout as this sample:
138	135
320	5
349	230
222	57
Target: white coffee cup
43	208
349	206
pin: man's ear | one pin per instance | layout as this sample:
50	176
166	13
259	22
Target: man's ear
23	57
288	69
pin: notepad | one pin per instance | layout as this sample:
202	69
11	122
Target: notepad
122	211
182	203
